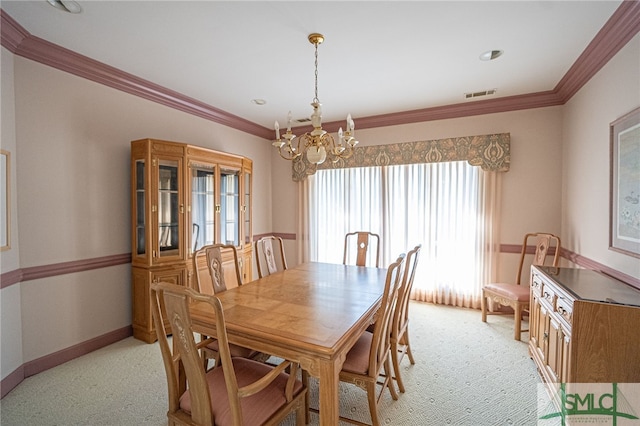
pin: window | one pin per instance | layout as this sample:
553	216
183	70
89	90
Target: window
449	208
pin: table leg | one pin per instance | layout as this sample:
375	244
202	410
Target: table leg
328	388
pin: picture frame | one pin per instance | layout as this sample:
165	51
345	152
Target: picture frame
624	208
5	200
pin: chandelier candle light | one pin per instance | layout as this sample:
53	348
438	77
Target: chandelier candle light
318	143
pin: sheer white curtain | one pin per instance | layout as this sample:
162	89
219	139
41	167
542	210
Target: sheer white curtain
449	208
341	201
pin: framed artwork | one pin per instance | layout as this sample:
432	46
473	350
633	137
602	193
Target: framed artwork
5	225
624	212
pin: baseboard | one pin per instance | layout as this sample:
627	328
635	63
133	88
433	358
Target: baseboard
52	360
11	381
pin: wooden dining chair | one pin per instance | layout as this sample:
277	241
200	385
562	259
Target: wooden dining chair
270	257
237	391
514	295
400	345
209	259
362	241
368	364
211	277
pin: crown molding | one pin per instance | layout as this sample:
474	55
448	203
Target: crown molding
623	25
11	33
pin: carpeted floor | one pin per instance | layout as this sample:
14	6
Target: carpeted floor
467	373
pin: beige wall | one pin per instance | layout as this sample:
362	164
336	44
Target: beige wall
610	94
10	298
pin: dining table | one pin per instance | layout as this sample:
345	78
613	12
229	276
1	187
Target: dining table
312	314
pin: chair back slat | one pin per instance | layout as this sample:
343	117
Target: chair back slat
217	278
270	257
547	246
363	241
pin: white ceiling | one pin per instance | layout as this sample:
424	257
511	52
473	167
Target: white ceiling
378	57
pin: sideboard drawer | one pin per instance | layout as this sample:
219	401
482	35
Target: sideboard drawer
564	307
549	295
536	285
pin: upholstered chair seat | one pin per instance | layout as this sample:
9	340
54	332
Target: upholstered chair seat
519	293
257	409
357	360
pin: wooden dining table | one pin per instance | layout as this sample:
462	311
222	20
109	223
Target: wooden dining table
312	314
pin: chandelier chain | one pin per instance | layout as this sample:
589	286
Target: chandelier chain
315	99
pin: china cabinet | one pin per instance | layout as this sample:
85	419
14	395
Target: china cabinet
182	198
584	327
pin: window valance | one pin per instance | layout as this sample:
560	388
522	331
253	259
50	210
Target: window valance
490	152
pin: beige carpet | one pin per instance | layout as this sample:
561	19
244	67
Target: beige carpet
466	373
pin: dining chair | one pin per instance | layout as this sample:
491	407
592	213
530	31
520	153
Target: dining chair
362	239
367	363
237	391
400	345
209	258
515	295
270	259
214	282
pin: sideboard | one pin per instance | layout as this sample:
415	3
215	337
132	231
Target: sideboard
584	327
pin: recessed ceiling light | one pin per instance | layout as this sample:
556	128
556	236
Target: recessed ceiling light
490	55
66	5
259	101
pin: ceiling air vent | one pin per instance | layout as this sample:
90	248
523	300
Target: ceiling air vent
303	120
481	93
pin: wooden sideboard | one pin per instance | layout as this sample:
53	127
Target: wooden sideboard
584	327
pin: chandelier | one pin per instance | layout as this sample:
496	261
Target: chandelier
317	144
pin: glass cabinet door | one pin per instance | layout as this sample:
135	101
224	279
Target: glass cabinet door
140	249
229	208
168	208
247	208
202	205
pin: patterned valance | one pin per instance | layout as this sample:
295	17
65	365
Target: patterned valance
490	152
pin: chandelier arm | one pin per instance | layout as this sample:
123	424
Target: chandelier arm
290	157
